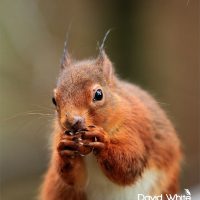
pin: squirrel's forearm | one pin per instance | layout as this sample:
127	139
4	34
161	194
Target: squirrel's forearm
71	170
122	163
67	167
55	188
63	181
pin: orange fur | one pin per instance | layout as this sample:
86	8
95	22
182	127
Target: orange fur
131	133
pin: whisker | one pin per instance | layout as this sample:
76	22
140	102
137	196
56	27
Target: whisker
43	107
31	112
42	114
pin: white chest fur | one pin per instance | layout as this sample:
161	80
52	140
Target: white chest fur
99	187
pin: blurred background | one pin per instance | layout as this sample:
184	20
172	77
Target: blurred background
153	43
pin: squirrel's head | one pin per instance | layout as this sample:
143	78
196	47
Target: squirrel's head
84	93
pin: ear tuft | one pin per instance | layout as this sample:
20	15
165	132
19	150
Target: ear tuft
66	58
66	61
104	62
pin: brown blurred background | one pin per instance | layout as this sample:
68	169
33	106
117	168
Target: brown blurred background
154	44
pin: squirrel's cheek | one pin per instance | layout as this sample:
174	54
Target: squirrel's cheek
62	121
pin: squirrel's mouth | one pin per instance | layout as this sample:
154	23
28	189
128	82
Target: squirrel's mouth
78	126
74	126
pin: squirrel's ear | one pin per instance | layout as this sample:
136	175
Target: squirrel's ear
104	62
66	59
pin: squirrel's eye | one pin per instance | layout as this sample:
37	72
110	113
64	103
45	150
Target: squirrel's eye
98	96
54	101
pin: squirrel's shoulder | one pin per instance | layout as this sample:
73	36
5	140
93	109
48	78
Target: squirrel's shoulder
129	90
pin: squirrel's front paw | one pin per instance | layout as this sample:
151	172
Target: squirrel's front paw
99	137
69	162
67	147
72	145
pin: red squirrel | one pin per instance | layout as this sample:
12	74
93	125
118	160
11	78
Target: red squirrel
111	141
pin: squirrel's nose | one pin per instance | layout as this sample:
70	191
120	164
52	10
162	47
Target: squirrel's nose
77	122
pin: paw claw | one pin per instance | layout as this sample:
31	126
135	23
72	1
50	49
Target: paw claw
77	139
86	144
69	132
91	126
